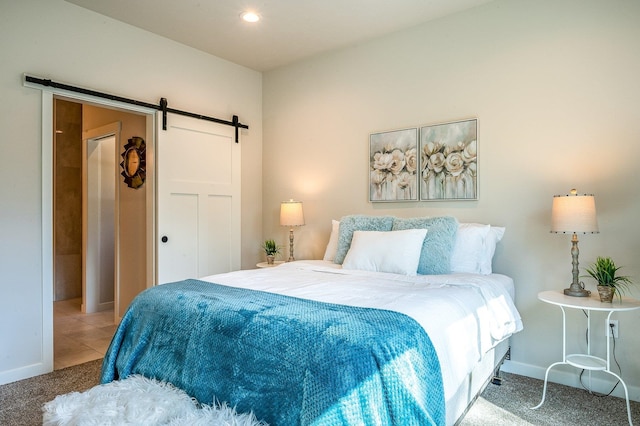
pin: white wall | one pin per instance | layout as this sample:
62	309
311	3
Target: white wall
57	40
555	87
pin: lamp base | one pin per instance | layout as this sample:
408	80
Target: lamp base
291	258
577	292
576	288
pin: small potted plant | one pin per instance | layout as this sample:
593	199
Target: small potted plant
604	271
271	249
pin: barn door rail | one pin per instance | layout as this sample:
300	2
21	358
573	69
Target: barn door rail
162	106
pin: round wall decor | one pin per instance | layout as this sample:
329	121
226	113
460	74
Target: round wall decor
134	162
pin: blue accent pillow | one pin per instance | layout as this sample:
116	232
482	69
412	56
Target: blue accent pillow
349	224
435	257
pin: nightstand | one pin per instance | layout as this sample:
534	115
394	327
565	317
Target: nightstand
586	361
266	265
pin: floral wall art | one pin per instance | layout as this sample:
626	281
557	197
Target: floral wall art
393	160
434	162
448	161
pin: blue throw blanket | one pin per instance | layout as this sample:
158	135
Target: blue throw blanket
291	361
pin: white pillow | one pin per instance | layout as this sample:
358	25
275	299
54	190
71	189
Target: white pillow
495	235
474	248
397	252
469	249
332	245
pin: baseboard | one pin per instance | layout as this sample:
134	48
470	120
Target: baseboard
24	373
570	376
105	306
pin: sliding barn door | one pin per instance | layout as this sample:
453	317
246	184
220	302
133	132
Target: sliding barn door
198	223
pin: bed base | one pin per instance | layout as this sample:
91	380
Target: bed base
486	371
497	380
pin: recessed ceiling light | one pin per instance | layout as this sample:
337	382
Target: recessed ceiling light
250	17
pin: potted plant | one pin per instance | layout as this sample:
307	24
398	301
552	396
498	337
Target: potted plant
271	249
604	271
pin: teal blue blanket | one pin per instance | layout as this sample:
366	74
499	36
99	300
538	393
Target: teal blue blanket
291	361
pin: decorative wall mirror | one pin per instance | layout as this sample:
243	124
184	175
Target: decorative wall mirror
134	162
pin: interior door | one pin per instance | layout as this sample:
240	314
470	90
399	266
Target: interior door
100	226
198	214
99	202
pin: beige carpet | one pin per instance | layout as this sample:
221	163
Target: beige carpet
510	404
21	402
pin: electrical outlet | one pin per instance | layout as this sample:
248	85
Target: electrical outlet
615	328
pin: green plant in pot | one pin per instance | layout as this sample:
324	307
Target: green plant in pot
271	249
604	271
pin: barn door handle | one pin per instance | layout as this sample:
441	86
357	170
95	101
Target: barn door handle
164	239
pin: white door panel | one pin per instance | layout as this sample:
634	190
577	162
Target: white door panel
218	238
181	248
198	166
216	168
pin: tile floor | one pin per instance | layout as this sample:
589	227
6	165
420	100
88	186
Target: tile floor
78	337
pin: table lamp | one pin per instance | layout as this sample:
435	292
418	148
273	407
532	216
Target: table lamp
291	215
574	214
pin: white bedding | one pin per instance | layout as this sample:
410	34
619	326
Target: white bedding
465	315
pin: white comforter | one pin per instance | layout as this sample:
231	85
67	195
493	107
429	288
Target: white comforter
465	315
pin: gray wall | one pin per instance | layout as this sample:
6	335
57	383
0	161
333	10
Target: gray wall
554	85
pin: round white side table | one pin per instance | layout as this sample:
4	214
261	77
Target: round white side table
586	361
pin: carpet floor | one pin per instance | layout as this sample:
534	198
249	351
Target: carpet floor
21	402
509	404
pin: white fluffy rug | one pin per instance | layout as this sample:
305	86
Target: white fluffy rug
137	400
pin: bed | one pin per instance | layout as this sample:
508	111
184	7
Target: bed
362	340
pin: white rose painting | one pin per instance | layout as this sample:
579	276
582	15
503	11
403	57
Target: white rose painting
448	161
393	165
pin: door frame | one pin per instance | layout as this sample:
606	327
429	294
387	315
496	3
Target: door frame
48	96
90	300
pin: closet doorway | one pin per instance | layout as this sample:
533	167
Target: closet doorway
87	235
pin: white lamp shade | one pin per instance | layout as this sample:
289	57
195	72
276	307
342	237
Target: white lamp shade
291	213
574	214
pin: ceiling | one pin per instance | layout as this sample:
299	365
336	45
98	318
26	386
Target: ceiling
289	30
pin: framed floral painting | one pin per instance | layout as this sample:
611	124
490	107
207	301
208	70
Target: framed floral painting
393	166
449	161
